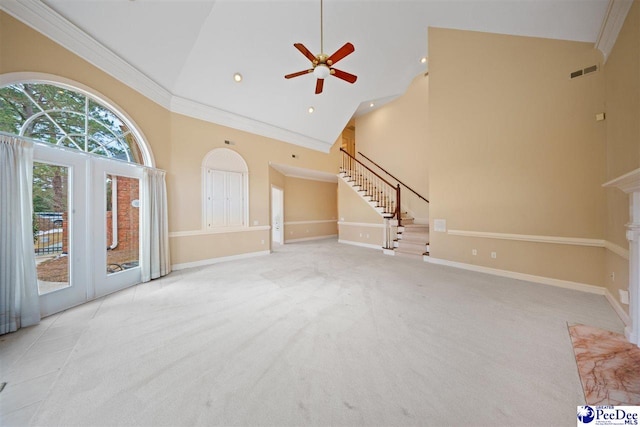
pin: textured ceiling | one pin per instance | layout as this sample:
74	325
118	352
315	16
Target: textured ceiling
191	49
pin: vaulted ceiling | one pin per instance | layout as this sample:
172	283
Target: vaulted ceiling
183	54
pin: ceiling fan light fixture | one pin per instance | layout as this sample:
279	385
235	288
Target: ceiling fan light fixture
321	71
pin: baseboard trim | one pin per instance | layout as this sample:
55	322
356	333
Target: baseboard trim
217	260
617	308
305	239
362	245
567	284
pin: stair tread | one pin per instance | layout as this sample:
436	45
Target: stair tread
411	245
415	242
415	255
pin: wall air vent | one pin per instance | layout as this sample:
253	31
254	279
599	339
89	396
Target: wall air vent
591	69
584	71
576	74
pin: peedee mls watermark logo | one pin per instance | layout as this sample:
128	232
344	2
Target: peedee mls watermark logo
608	415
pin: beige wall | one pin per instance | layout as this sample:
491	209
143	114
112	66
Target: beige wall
25	50
310	209
359	222
395	137
195	138
514	148
622	76
179	144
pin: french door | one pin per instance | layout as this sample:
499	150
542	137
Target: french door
60	223
87	226
117	220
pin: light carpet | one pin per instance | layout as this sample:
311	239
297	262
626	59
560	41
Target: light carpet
320	333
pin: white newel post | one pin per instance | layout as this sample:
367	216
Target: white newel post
630	184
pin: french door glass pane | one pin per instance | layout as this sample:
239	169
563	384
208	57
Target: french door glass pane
122	223
51	226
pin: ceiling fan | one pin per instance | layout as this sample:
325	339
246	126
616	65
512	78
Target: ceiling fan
322	64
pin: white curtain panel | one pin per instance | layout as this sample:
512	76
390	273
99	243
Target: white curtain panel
155	260
19	305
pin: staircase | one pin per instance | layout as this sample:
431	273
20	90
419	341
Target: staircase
413	239
402	236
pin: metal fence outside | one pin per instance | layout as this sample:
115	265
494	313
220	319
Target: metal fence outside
48	233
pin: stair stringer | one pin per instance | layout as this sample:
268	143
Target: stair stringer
364	196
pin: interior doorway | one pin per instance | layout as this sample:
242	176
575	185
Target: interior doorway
277	215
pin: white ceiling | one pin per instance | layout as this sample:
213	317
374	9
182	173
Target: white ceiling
184	53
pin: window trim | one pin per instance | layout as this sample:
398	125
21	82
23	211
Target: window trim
44	78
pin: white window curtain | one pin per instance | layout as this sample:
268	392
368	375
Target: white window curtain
19	305
155	261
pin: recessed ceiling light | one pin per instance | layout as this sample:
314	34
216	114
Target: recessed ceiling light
237	77
371	104
423	60
311	110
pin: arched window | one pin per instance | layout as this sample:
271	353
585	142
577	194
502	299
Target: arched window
60	115
225	189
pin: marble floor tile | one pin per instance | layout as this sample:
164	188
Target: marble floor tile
609	366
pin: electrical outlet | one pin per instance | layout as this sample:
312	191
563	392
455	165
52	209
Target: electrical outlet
474	252
494	255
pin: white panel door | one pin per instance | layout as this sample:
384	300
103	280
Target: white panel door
235	199
218	212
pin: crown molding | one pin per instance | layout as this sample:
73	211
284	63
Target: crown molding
46	21
611	25
216	115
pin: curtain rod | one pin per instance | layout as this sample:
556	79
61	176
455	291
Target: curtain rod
72	150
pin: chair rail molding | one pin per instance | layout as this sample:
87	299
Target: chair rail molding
630	184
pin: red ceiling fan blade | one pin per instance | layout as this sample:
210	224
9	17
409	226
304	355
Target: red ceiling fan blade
310	56
347	77
341	53
299	73
319	85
